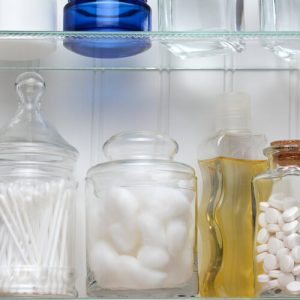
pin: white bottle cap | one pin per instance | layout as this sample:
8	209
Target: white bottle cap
233	112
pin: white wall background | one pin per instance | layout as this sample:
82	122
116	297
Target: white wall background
127	100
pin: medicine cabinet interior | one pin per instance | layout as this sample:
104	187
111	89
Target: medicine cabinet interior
90	100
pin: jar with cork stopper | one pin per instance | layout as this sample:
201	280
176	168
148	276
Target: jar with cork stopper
276	206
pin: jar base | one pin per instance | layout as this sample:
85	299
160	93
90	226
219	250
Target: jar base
108	47
187	291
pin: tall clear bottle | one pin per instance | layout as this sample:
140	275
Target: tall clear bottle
228	162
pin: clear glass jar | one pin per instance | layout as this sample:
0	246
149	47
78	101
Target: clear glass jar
202	15
141	220
277	211
36	201
29	15
281	15
107	16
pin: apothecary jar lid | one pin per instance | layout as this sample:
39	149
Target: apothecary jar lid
28	138
141	148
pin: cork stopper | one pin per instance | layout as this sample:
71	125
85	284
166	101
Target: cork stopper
286	153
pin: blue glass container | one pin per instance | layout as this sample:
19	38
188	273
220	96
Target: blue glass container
107	16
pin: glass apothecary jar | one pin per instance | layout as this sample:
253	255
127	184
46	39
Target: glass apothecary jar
36	201
202	16
277	210
281	15
141	220
29	15
107	16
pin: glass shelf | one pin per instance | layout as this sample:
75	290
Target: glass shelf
169	51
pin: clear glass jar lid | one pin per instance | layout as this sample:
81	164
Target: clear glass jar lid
28	136
141	148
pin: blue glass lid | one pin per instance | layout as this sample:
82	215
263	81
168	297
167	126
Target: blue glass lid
85	1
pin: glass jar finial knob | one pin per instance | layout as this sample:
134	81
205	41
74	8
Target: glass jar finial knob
30	87
140	145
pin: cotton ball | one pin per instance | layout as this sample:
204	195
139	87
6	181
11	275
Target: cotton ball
176	236
121	204
103	264
152	230
153	257
123	237
97	221
181	268
167	203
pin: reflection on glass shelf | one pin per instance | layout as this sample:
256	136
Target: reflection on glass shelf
285	49
189	49
168	51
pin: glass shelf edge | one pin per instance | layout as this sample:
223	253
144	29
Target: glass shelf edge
154	35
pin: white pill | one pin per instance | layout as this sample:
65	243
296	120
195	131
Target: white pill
272	215
296	270
280	221
262	220
273	228
263	206
294	287
274	245
285	278
275	274
263	278
153	257
273	283
260	257
280	235
289	202
176	235
291	227
286	263
270	262
292	240
262	248
263	236
276	201
291	214
281	252
296	254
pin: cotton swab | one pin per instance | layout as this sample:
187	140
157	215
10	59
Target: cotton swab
33	237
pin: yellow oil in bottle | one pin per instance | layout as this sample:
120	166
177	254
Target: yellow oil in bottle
226	227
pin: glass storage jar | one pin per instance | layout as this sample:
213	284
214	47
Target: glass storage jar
202	15
141	220
36	201
281	15
29	15
277	211
107	16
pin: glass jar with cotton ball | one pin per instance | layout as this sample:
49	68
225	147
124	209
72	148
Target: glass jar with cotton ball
36	201
141	220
